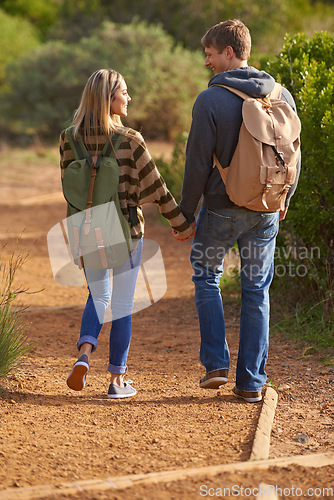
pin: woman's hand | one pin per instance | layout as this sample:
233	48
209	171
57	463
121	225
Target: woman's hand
178	236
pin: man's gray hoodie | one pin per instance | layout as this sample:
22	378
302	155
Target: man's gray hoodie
215	129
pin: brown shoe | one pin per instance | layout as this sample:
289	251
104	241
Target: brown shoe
213	380
248	396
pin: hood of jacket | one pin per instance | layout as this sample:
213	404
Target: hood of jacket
253	82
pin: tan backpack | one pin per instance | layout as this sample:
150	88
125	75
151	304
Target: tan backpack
263	166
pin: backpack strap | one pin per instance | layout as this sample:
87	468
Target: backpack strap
216	162
233	90
222	171
274	94
80	151
108	147
93	172
112	145
78	147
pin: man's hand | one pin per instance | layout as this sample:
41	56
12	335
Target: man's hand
178	236
282	214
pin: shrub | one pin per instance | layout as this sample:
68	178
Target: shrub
17	37
12	338
39	13
305	67
173	170
45	86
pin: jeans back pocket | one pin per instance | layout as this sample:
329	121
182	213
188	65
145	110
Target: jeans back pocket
267	226
220	227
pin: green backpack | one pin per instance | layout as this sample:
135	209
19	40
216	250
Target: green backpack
98	233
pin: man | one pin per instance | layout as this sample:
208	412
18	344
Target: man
220	224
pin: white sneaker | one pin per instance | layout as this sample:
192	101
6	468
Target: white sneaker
115	391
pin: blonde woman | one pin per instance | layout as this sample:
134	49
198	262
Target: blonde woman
104	101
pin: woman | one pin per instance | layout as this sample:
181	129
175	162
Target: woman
104	101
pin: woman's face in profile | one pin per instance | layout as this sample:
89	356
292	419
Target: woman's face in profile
119	103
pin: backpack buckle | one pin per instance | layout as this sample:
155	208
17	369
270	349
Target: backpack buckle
279	159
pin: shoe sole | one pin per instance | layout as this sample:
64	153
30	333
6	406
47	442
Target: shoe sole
213	383
248	400
76	379
120	396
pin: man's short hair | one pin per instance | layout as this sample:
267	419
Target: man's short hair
231	33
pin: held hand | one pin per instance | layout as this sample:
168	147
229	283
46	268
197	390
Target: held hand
179	237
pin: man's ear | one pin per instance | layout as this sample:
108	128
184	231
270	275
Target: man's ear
229	52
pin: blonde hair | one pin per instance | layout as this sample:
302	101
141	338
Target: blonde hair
94	113
231	33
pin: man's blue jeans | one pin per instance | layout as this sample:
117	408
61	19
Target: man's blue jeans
99	287
216	233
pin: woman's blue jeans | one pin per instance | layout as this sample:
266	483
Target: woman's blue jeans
216	233
99	286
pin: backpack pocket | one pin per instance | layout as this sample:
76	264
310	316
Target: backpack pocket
97	236
75	183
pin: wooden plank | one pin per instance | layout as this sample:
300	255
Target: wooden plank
261	443
123	482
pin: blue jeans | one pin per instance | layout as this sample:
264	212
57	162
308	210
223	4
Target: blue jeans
99	287
216	233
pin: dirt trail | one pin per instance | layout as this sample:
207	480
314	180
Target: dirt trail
51	435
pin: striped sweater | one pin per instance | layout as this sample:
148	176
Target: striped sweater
139	180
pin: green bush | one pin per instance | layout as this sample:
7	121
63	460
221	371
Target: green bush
78	19
13	344
45	86
188	20
39	13
304	299
17	37
305	67
173	170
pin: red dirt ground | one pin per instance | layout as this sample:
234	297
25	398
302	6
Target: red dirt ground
50	434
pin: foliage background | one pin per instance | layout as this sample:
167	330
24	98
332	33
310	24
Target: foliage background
156	45
306	67
43	87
